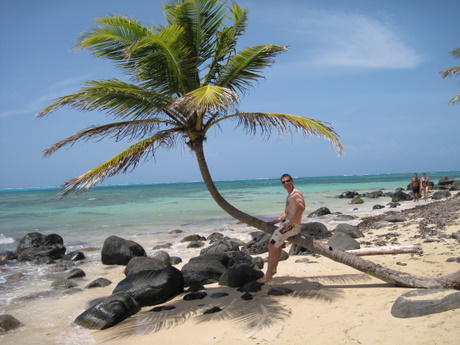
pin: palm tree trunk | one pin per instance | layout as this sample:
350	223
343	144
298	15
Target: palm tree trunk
451	281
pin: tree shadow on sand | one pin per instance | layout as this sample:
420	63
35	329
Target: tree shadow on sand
256	314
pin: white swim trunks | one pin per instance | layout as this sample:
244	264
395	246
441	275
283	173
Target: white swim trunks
282	234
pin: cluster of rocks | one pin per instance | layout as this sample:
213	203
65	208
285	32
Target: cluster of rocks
151	281
40	249
443	190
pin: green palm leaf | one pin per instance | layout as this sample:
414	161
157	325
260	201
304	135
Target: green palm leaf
209	99
452	71
112	37
266	123
226	43
118	131
163	62
123	162
201	20
244	68
116	98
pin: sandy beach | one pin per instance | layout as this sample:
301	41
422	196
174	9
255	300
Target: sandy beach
331	303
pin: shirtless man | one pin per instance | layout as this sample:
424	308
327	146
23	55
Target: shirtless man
415	186
425	186
290	226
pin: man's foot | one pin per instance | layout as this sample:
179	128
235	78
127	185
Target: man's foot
266	278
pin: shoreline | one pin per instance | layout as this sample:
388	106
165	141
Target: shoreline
327	295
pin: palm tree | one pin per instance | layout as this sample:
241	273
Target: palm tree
185	80
452	71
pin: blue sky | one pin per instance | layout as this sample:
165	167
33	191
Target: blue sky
370	68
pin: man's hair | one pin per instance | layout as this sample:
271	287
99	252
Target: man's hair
286	175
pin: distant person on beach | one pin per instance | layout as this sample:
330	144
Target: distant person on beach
290	221
415	186
425	181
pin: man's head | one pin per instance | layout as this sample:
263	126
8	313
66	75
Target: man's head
287	179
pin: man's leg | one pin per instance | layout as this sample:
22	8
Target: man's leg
274	255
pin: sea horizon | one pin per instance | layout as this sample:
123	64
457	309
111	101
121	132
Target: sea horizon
104	185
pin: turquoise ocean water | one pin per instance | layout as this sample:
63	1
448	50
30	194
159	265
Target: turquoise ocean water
148	213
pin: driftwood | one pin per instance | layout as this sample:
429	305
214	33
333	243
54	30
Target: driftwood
386	250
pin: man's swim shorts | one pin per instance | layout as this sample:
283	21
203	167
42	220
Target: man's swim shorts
282	234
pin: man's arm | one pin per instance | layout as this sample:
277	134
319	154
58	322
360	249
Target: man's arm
279	219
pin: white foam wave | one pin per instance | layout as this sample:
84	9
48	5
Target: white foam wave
6	240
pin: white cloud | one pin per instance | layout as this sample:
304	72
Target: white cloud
346	40
354	40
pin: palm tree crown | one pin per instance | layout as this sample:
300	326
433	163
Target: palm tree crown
185	78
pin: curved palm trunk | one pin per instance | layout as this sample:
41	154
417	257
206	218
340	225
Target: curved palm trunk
451	281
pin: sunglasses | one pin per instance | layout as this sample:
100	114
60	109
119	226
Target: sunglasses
285	181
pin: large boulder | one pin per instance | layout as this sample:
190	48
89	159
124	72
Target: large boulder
446	180
118	251
152	287
343	241
35	246
322	211
374	195
349	229
8	323
258	244
109	312
143	263
204	269
239	257
356	200
348	195
399	195
164	257
220	246
441	194
425	302
239	275
455	186
317	230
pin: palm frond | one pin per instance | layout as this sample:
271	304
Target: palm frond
201	20
163	62
455	99
116	97
244	68
113	36
123	162
226	43
285	124
209	99
456	53
450	72
117	130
